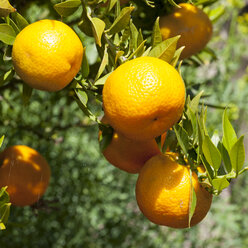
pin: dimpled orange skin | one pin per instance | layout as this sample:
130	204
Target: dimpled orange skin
143	98
47	55
163	193
192	24
25	172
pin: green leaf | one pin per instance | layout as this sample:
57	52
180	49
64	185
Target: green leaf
237	155
98	27
220	183
4	196
105	61
225	156
176	56
183	138
193	199
82	95
211	153
216	13
1	140
194	103
229	134
7	34
165	50
26	93
6	8
134	33
7	76
169	140
85	65
102	80
121	21
139	50
20	21
208	168
67	8
156	34
4	212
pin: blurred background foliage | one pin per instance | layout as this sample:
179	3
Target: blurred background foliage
89	202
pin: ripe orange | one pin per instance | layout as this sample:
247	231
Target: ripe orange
192	24
129	155
163	192
143	98
47	55
25	172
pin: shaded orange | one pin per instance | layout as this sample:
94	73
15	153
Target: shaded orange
25	172
163	192
129	155
192	24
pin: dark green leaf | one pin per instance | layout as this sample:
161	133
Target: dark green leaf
106	136
183	138
7	34
26	93
7	76
208	168
85	65
68	7
225	156
211	153
20	21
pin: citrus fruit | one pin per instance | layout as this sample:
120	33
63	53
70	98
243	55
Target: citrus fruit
129	155
163	192
25	172
143	98
47	55
192	24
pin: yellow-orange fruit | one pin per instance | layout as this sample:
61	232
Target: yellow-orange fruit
163	193
47	55
25	172
143	98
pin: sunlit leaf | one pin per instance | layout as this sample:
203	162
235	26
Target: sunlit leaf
220	183
1	140
156	34
102	80
104	62
237	154
20	21
7	34
229	135
98	27
121	21
67	8
165	50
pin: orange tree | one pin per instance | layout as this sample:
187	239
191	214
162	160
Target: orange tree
121	34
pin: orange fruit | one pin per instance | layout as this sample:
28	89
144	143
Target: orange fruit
129	155
25	172
47	55
192	24
143	98
163	192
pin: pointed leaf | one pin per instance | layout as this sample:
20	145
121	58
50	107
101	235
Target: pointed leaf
156	34
67	8
85	65
26	93
121	21
183	138
229	135
98	27
225	156
208	168
211	153
19	20
176	56
104	62
7	34
102	80
165	50
237	155
1	140
82	95
194	103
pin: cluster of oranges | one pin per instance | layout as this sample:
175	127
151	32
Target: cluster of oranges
142	99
